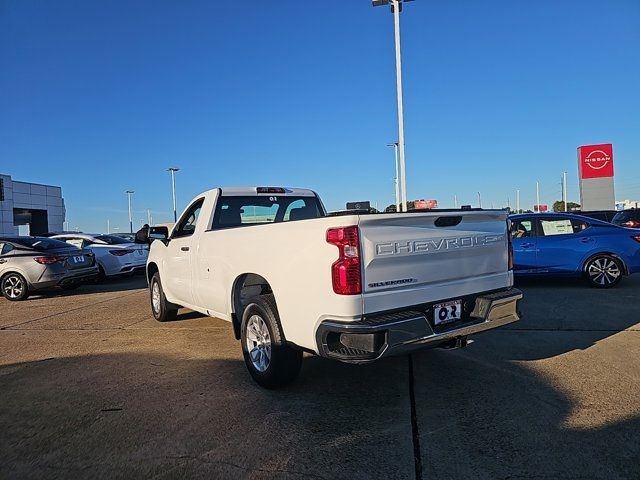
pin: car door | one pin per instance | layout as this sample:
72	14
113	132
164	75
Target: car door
523	233
562	244
178	279
5	248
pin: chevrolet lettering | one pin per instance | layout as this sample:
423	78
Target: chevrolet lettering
437	245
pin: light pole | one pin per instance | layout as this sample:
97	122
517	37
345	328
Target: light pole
455	201
396	7
479	200
517	201
129	193
537	197
564	190
395	149
173	171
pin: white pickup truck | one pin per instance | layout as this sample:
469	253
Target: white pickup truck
352	287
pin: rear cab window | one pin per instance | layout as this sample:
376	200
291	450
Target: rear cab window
239	211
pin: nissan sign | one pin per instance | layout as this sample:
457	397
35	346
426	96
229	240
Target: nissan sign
596	161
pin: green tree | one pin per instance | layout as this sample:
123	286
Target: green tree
559	206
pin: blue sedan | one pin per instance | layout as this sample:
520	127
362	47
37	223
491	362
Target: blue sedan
573	245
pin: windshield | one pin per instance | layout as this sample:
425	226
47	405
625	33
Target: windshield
112	239
41	243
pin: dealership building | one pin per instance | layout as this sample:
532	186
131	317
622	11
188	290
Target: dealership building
30	208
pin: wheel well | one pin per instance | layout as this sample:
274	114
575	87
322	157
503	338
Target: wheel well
625	270
246	286
152	268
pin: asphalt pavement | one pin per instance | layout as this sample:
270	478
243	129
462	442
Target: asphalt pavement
91	386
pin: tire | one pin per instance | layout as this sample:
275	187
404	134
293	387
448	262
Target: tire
14	287
270	361
604	271
162	309
102	276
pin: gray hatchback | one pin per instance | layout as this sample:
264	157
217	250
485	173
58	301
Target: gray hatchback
34	263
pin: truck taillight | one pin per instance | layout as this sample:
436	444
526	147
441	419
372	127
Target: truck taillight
346	273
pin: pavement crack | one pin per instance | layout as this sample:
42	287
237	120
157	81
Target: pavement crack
415	434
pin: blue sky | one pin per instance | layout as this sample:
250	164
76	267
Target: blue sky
100	97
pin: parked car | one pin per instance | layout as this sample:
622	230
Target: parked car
574	245
627	218
604	215
353	288
28	264
115	256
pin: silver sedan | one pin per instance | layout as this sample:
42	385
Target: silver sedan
34	263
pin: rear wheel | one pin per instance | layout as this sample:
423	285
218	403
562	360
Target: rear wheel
14	287
270	361
604	271
161	308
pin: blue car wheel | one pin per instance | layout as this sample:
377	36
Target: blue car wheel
604	271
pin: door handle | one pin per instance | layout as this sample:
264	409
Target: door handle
184	249
2	260
527	245
586	239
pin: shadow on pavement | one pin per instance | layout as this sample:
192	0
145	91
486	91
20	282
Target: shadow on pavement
123	284
140	416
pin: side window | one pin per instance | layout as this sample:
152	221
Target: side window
301	209
5	248
187	224
522	228
579	226
556	227
76	242
258	214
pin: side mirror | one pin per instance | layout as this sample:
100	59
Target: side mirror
158	233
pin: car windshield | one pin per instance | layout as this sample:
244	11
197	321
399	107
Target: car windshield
41	243
112	239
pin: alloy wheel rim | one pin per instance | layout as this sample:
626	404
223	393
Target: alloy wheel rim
155	297
604	271
13	286
258	343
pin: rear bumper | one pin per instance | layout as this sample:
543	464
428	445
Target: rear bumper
67	278
386	334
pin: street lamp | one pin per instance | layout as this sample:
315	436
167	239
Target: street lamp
395	148
479	200
173	171
129	193
396	8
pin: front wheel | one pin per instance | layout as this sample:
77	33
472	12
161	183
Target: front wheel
14	287
270	361
161	308
604	271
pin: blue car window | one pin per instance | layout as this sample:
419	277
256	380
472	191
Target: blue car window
556	227
522	228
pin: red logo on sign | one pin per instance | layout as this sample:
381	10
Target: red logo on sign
596	161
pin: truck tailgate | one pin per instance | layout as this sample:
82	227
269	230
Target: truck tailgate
410	259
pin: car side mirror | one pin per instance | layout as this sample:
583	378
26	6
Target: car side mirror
158	233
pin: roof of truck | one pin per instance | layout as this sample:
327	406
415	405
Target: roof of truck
296	192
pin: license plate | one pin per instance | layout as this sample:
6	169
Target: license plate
77	259
447	312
